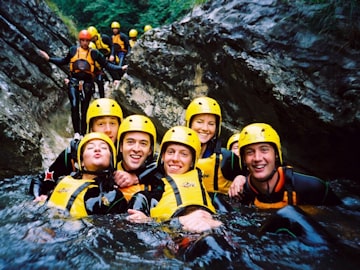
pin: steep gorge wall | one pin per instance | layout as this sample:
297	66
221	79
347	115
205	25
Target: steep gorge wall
262	60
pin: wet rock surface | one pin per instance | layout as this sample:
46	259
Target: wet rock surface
293	66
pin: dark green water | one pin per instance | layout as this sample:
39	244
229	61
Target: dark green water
35	237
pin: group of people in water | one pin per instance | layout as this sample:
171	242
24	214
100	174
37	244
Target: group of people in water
116	168
113	166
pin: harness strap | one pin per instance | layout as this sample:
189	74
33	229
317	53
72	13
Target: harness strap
71	150
217	164
175	189
289	187
76	193
203	191
177	193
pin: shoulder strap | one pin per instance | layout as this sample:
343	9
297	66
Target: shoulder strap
203	191
217	163
175	189
289	186
76	193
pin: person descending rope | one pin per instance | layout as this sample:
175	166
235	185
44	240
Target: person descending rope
133	37
103	43
82	61
147	27
121	42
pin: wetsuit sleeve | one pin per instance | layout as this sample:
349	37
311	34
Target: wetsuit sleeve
36	185
59	61
45	182
147	175
108	41
62	165
125	38
230	166
313	190
145	200
248	195
98	57
141	201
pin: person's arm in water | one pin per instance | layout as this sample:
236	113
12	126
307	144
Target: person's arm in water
196	221
45	183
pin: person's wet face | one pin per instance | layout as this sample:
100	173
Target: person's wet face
135	148
205	126
260	159
106	124
177	159
96	155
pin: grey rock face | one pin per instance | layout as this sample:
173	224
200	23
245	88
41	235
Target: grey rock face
294	67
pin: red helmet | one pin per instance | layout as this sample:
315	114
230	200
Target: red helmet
84	34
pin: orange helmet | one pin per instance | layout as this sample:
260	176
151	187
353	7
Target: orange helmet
84	34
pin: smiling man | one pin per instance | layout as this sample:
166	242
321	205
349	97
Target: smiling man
269	183
136	148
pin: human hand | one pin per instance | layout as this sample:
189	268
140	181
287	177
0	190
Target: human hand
41	198
43	55
137	216
237	187
199	221
111	58
124	179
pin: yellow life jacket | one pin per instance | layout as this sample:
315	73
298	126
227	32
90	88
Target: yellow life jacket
102	47
128	192
213	179
132	43
82	62
181	190
119	44
289	194
69	195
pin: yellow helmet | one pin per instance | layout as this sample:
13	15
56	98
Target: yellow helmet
103	107
232	139
140	123
92	31
100	136
202	105
115	25
257	133
133	33
92	45
147	27
183	135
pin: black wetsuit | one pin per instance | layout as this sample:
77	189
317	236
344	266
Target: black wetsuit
308	189
63	165
75	96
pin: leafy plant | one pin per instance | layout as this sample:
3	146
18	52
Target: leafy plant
129	13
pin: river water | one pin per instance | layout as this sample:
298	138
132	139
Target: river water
36	237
